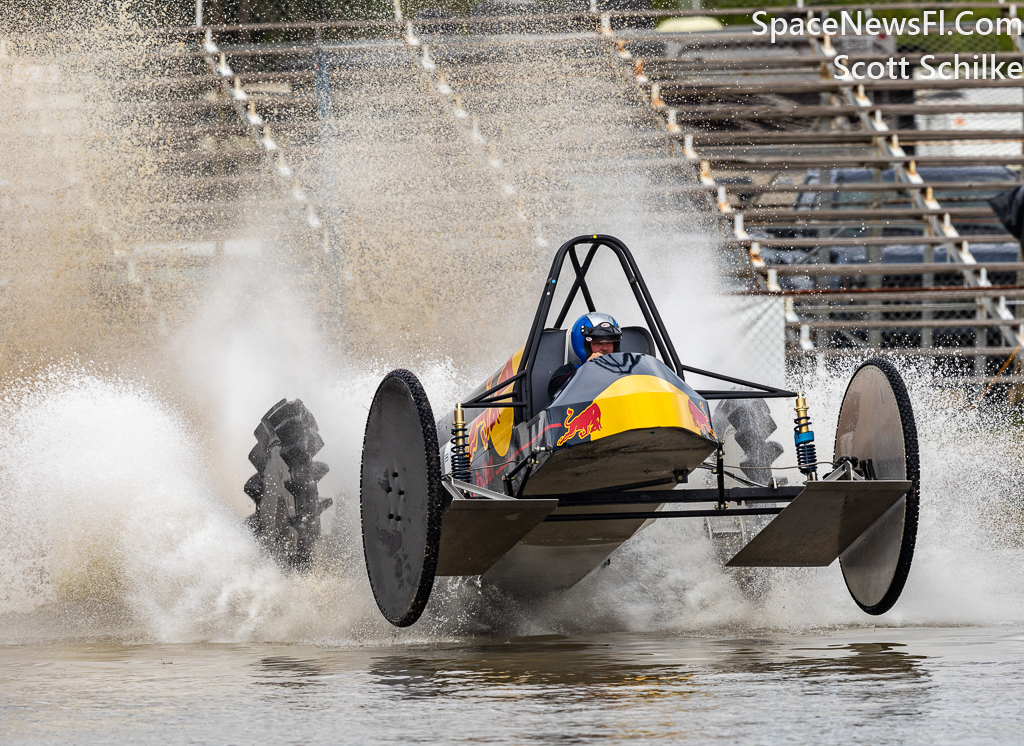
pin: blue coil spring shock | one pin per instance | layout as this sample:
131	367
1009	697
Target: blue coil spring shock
803	436
460	447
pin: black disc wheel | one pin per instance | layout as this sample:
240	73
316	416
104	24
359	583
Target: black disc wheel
284	487
876	422
400	498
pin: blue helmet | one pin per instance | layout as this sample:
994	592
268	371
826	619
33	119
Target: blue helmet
592	326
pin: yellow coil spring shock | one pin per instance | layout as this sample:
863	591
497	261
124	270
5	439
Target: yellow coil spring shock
803	436
460	447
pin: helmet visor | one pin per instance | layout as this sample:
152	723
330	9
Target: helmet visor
603	332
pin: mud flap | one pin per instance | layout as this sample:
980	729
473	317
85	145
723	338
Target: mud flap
821	523
476	533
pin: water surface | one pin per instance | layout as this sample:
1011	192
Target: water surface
859	685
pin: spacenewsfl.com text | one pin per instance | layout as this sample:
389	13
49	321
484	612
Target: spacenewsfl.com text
932	22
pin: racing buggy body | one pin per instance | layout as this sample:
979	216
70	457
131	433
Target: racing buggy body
533	491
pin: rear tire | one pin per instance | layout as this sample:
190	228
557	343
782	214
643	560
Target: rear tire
749	423
284	487
745	426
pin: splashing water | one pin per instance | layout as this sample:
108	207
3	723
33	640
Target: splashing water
114	530
109	488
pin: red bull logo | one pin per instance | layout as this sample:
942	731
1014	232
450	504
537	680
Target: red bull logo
583	424
701	418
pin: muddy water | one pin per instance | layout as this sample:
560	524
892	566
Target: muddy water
870	686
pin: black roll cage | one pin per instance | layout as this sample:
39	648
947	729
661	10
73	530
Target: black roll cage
521	395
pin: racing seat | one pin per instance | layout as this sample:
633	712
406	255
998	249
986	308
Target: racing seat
554	351
637	339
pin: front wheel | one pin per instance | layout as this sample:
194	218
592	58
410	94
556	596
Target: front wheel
400	498
876	422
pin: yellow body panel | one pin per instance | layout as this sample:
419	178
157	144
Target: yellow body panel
501	431
635	402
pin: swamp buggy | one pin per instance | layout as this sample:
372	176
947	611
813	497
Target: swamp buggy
532	492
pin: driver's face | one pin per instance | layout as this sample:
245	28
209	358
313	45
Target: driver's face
601	347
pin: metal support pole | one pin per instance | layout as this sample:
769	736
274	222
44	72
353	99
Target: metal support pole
199	13
321	68
654	514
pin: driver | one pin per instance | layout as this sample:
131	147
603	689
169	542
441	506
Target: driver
593	335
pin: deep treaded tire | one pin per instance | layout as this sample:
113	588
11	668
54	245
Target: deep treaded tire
745	425
284	488
876	421
400	498
752	425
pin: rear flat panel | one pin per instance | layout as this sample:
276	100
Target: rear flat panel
820	524
477	533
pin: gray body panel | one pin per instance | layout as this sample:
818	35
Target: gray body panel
624	458
477	533
559	555
821	523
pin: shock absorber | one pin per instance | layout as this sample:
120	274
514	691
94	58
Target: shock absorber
803	436
460	447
